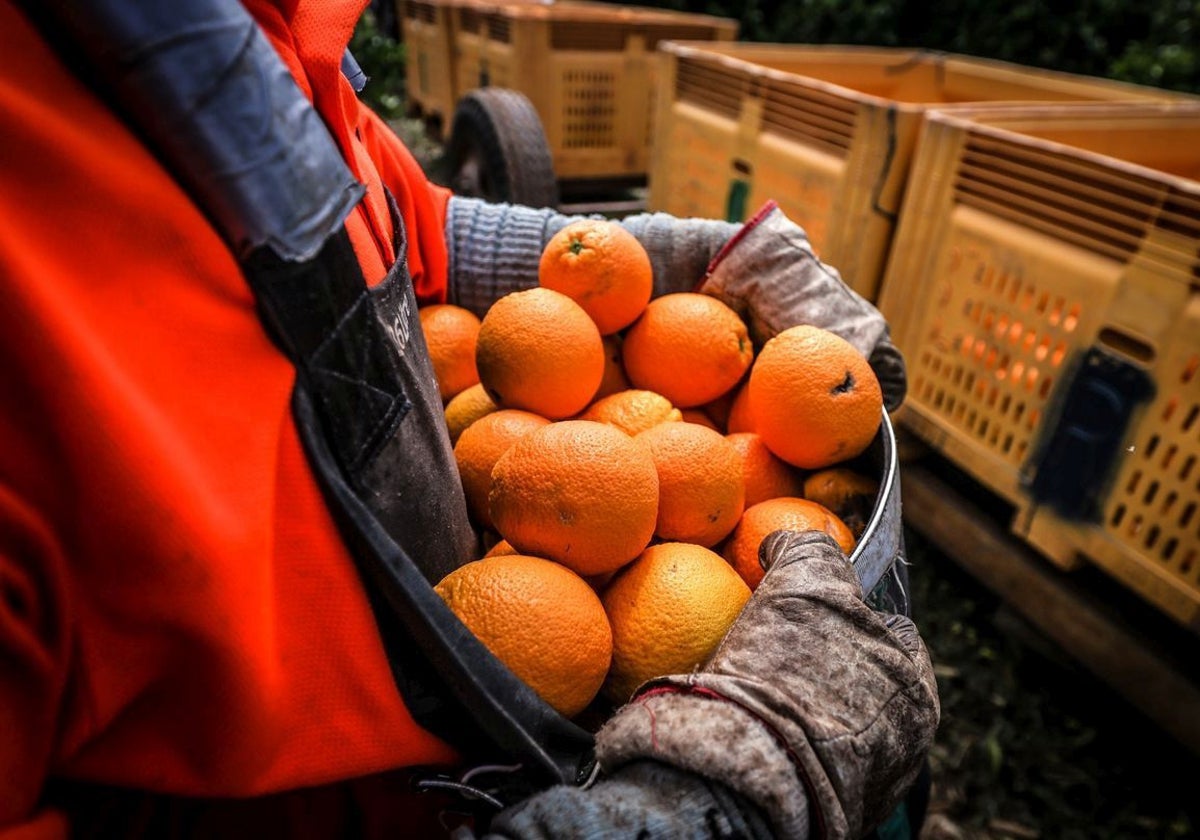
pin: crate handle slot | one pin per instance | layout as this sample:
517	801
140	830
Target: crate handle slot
1073	464
1127	345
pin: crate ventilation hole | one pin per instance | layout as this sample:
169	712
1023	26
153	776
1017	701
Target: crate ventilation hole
990	364
1156	503
589	109
1115	214
790	110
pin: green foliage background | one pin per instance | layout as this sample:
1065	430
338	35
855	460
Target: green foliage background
1152	42
381	57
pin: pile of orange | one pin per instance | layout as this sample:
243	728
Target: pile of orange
624	457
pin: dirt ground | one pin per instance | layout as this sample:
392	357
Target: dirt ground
1030	746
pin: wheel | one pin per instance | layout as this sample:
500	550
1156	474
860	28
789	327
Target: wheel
498	151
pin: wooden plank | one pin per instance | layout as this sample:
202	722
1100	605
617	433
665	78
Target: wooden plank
609	207
1140	668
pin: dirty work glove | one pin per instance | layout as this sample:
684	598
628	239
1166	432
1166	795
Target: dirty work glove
644	799
494	249
770	275
814	712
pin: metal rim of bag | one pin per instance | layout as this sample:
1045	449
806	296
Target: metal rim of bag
878	558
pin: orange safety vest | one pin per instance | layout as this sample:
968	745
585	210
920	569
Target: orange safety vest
180	615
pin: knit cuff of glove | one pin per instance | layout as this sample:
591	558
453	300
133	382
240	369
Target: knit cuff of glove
714	739
494	249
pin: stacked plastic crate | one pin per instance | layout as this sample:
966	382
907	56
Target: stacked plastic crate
589	69
1044	285
827	131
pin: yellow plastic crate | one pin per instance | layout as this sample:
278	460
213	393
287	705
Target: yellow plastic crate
431	33
589	69
827	131
1035	243
427	28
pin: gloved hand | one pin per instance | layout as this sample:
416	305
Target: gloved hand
770	275
765	270
815	712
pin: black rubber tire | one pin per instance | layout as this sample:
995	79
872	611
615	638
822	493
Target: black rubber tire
498	151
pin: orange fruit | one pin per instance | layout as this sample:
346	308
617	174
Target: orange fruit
632	411
669	609
480	446
719	408
450	334
813	397
540	619
465	408
846	492
697	416
614	378
501	549
602	267
701	491
766	476
740	418
579	492
689	347
598	582
786	513
539	351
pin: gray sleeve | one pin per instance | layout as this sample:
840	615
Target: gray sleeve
645	799
494	249
680	249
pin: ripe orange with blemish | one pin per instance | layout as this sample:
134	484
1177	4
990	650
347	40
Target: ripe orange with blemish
813	398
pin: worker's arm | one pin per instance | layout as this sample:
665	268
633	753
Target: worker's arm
495	248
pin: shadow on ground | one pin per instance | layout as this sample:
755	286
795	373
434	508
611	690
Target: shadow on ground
1030	746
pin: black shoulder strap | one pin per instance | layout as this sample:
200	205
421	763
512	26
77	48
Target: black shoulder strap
197	81
450	681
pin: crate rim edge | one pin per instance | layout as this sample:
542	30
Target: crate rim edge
739	55
593	13
685	49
